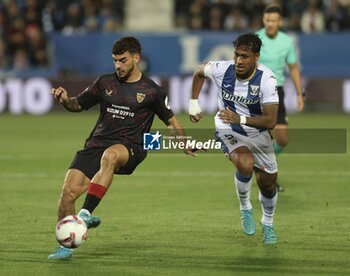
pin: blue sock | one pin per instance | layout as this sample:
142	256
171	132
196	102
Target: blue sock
242	178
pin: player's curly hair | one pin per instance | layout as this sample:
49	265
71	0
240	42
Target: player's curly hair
250	41
127	43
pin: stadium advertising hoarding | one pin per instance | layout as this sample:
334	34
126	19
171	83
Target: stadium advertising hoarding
32	95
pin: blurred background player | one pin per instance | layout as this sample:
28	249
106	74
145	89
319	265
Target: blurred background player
128	102
248	104
277	51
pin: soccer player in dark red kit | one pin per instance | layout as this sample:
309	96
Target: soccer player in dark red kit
128	102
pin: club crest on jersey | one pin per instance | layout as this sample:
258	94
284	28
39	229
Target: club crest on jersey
140	97
109	92
254	90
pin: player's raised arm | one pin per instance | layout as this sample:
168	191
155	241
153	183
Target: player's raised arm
197	84
69	103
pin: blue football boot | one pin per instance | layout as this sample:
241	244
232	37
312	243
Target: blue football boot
61	253
90	221
269	235
247	222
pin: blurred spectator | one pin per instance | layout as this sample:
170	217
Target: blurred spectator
112	9
15	35
294	10
53	16
32	13
236	20
312	19
216	17
196	23
293	22
74	20
4	59
91	22
181	14
196	13
335	17
36	46
20	60
111	25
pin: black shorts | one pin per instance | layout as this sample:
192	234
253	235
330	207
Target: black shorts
88	160
282	115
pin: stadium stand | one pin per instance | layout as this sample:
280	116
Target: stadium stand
26	25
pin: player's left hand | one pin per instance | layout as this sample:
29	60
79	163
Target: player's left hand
228	116
193	152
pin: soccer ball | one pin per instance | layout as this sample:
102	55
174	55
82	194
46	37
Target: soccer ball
71	231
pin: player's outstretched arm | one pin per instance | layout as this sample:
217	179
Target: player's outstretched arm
69	103
177	130
197	84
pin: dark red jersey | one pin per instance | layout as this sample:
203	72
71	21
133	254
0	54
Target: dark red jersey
126	109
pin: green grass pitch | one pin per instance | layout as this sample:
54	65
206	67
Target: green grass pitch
176	215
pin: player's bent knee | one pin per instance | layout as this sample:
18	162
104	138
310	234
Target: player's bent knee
281	140
269	191
112	158
245	164
245	169
268	188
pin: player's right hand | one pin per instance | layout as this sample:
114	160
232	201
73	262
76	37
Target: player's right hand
193	152
195	111
60	94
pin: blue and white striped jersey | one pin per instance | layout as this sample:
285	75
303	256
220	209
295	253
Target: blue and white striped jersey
245	97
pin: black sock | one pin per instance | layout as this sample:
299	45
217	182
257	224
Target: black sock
91	202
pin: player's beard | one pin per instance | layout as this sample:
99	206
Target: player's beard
126	75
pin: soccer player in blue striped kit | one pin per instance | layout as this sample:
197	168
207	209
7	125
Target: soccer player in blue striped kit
248	105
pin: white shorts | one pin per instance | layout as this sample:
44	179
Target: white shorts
261	147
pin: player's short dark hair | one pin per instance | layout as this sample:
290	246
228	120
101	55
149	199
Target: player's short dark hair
250	41
273	8
127	43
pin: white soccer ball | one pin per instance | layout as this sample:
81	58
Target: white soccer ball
71	231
